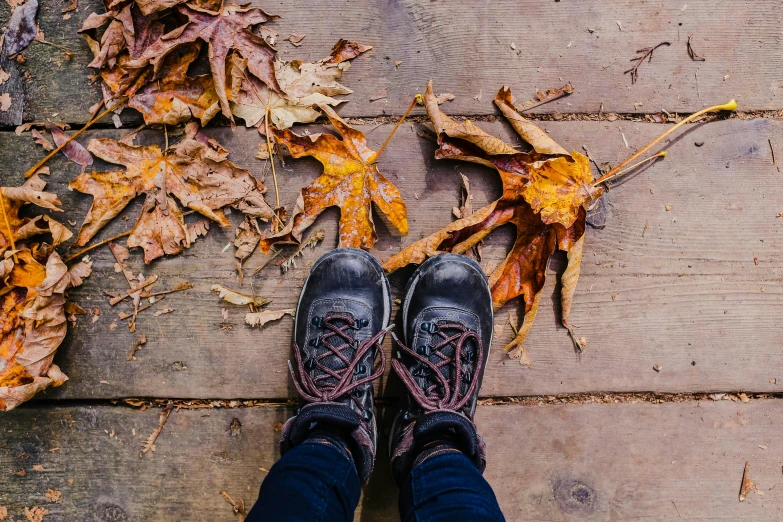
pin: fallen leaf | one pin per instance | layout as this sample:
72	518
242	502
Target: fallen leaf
747	485
74	151
195	170
261	318
35	514
4	76
743	397
3	512
176	98
41	140
466	207
543	196
247	237
21	29
35	325
350	180
302	86
237	505
38	467
72	6
5	102
223	31
235	428
295	39
52	495
345	50
237	298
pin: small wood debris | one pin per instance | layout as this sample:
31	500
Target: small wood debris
5	102
295	39
161	312
3	512
38	467
311	242
149	444
20	473
235	427
668	208
52	495
747	484
397	63
743	397
140	341
657	368
35	514
645	54
237	505
278	427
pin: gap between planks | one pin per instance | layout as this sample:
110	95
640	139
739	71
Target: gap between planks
524	400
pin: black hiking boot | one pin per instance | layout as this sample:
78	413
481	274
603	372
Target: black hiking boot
447	326
342	316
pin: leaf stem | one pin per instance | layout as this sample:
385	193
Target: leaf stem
96	245
661	154
374	158
272	161
730	106
76	134
8	225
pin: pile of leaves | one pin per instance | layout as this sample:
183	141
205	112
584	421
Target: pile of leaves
545	193
33	282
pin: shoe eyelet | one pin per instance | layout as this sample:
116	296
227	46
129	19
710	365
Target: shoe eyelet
468	356
314	342
318	321
429	327
359	369
467	377
406	416
364	323
366	415
424	350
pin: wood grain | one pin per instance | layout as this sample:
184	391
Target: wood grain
466	47
677	288
558	463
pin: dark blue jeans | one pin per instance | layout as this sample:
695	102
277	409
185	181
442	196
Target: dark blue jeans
317	482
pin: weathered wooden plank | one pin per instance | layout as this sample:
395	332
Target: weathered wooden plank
467	49
596	462
12	86
684	294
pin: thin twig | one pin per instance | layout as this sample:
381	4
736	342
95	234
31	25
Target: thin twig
647	53
96	245
730	106
8	225
771	150
149	444
695	57
374	158
124	315
141	340
141	286
179	288
76	134
267	261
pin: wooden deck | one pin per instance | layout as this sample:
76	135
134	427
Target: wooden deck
696	289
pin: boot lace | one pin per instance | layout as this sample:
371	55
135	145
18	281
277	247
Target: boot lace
443	393
323	383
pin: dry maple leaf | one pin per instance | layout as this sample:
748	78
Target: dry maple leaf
543	197
176	98
23	228
303	86
34	325
229	29
350	180
196	171
35	514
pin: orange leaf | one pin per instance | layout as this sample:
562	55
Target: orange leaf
350	181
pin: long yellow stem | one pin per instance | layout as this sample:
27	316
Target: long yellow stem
374	158
730	106
8	225
629	168
73	137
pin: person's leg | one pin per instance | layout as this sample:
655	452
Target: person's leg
446	486
328	446
437	455
315	481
